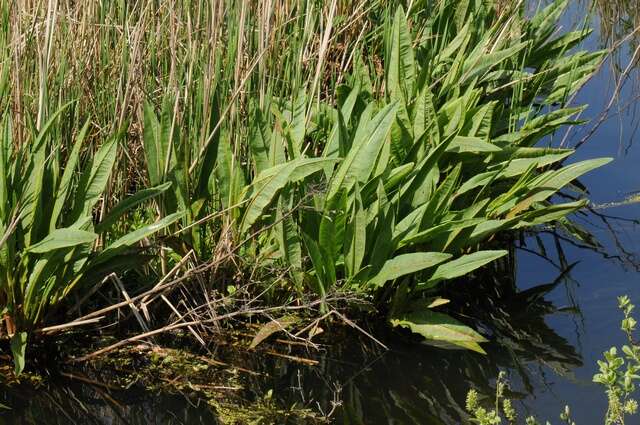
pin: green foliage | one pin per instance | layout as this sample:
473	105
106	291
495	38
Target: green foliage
388	165
619	371
50	243
618	375
435	168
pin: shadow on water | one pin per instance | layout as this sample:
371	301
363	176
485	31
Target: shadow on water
355	381
416	383
76	403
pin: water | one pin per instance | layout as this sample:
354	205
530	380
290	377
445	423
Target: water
548	348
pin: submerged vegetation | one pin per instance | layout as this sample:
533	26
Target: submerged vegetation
204	160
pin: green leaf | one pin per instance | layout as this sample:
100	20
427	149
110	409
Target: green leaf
62	238
18	349
401	65
436	231
550	182
6	148
134	237
288	238
126	204
461	266
441	327
551	213
425	118
362	157
320	265
94	180
471	144
405	264
259	142
266	187
355	237
482	62
69	170
152	149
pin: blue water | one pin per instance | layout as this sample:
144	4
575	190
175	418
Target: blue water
598	281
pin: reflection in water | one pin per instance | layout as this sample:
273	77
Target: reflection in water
75	403
619	20
618	31
415	383
410	383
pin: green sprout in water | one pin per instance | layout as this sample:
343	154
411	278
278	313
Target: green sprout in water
618	374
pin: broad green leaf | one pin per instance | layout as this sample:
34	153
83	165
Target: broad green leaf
209	158
461	266
401	65
425	119
405	264
168	136
62	238
550	213
471	144
18	349
421	183
134	237
94	180
288	237
441	327
152	149
482	63
441	200
361	159
320	265
431	233
550	182
259	141
355	237
127	203
266	187
67	175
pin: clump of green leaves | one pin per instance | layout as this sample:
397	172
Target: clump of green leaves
618	374
619	371
49	239
431	162
502	411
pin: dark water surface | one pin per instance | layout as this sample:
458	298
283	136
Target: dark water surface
548	347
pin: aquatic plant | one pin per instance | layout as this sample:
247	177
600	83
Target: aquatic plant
438	165
50	244
619	384
349	146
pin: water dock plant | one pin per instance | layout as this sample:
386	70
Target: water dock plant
50	243
363	147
